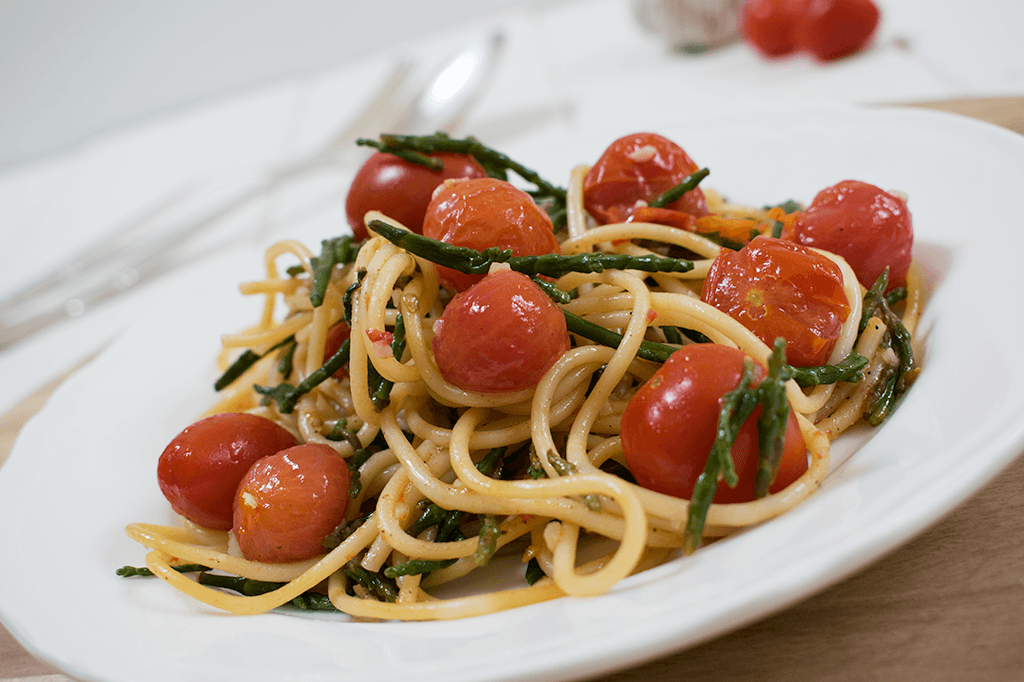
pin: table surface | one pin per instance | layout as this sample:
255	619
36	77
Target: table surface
947	605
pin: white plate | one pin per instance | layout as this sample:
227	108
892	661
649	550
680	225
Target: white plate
85	466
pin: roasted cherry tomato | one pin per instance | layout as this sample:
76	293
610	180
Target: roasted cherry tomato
777	289
767	25
869	227
639	168
289	502
481	213
669	426
336	336
501	334
199	470
401	189
832	29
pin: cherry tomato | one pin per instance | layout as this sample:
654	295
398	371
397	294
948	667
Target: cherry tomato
832	29
778	288
200	468
336	336
639	168
401	189
480	213
669	426
289	502
501	334
869	227
767	25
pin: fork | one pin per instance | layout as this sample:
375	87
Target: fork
124	258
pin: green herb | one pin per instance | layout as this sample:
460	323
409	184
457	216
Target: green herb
487	539
417	567
533	571
566	468
848	369
473	262
896	337
143	572
286	395
378	386
384	588
244	362
688	184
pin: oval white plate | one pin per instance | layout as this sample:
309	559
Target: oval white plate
85	466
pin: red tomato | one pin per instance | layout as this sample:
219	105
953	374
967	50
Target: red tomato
869	227
669	426
501	334
639	168
400	189
480	213
778	288
832	29
767	25
336	336
199	470
289	502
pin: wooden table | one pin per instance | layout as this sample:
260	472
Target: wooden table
947	606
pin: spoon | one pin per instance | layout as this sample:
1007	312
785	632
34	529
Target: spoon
123	259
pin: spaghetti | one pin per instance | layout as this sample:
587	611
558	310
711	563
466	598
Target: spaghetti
422	448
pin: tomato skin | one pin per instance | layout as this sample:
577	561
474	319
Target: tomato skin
485	212
336	336
199	470
401	189
869	227
669	426
833	29
639	167
778	288
502	334
289	502
768	25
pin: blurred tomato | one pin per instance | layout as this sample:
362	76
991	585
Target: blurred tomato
832	29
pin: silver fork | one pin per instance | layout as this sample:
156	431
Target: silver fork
124	258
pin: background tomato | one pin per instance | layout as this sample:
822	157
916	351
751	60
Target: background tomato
400	189
869	227
289	502
778	288
639	167
485	212
501	334
767	25
200	468
669	426
832	29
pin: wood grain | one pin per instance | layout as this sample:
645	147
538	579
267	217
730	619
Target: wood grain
949	605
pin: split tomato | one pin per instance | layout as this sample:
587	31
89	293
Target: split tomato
778	289
485	212
635	170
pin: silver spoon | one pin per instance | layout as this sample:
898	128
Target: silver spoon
122	260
